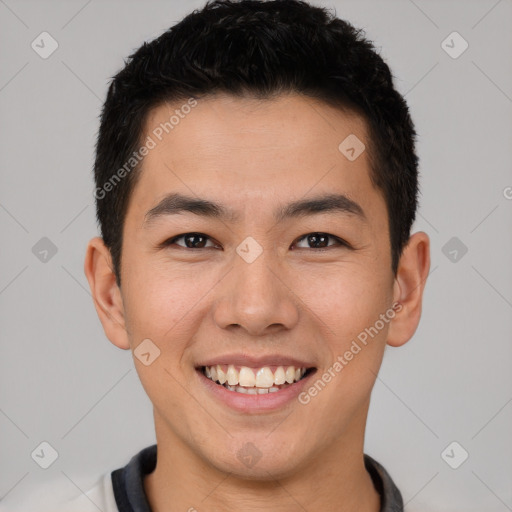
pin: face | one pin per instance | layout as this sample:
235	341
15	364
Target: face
291	268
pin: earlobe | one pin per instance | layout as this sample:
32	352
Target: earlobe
105	292
408	289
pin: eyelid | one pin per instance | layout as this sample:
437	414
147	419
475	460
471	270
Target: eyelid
340	241
173	239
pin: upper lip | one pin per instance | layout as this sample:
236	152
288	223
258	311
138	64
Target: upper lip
256	361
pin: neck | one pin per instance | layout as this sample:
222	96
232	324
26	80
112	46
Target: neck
334	480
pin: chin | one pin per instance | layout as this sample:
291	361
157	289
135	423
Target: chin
249	462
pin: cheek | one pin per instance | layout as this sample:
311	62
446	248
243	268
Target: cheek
347	306
344	307
159	305
163	309
346	300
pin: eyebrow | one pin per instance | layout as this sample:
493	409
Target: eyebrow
175	204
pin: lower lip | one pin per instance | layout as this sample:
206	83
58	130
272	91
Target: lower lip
245	403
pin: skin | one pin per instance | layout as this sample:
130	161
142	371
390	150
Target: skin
253	155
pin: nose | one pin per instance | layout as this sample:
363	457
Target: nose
256	297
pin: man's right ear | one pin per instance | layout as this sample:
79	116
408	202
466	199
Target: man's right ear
106	294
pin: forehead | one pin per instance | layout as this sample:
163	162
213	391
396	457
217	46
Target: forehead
253	152
221	121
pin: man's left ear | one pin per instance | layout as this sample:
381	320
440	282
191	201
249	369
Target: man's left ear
410	280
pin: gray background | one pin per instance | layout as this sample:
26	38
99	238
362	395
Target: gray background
63	382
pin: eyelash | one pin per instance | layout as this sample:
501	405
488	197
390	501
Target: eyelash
340	241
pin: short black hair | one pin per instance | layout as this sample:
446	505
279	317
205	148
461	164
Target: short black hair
259	49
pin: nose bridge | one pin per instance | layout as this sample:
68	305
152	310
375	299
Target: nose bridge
254	295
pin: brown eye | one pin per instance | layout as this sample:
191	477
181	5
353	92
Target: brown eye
192	241
321	240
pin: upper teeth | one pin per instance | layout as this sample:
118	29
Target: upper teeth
249	377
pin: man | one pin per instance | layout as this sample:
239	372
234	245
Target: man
256	183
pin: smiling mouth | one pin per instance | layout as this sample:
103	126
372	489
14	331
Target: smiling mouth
255	381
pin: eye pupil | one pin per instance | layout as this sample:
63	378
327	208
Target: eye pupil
191	236
318	238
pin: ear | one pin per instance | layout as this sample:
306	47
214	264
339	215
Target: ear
408	289
106	294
